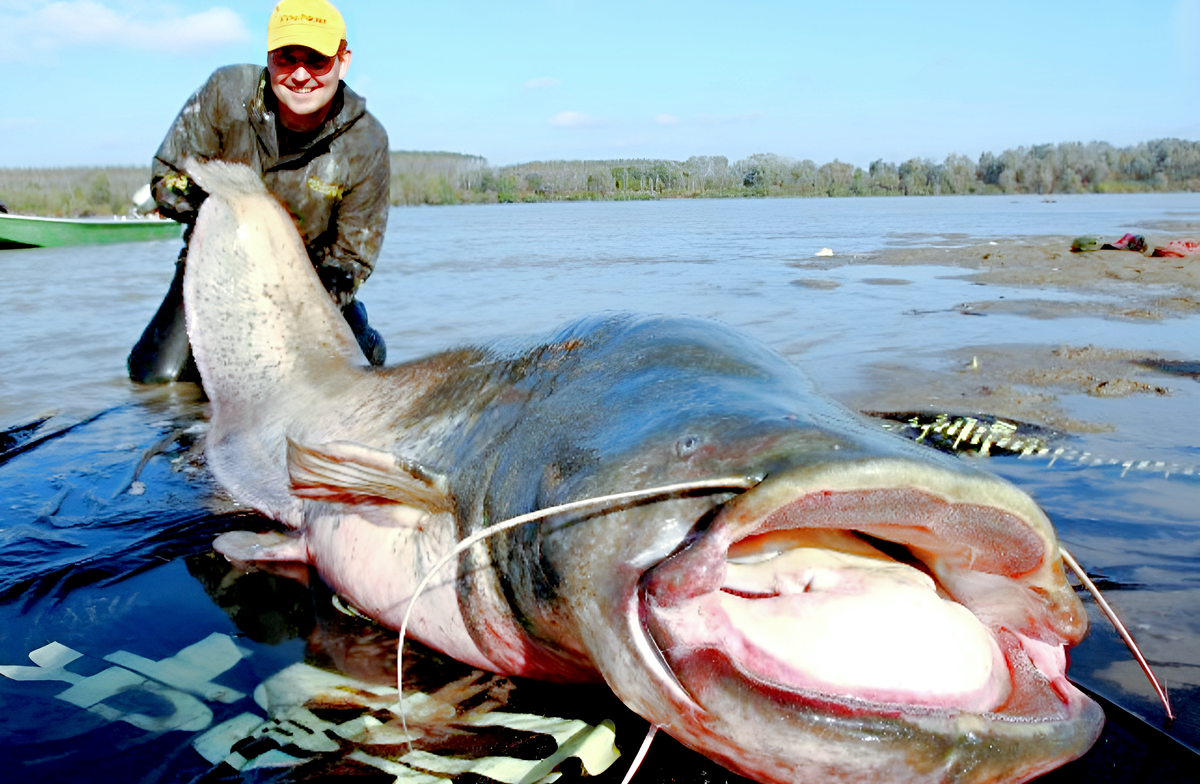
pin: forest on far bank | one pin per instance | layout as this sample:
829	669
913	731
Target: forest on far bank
1071	167
454	178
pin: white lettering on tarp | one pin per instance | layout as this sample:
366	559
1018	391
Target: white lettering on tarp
594	746
187	712
192	669
174	687
217	743
50	660
162	684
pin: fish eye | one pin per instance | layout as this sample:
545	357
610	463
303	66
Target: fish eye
687	446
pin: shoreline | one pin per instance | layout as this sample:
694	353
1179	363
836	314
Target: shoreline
1026	381
1047	262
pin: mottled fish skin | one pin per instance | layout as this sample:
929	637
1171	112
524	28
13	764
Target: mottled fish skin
380	472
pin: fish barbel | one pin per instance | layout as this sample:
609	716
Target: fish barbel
867	611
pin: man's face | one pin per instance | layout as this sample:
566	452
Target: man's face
304	80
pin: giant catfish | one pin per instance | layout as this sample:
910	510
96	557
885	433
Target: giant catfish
868	611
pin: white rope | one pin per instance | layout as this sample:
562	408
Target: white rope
1109	613
641	755
726	483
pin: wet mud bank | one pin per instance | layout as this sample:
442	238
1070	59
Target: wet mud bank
1151	287
1028	380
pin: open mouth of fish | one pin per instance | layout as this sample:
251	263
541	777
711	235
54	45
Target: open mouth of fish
879	590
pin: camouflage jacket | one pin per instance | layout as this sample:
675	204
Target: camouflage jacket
335	184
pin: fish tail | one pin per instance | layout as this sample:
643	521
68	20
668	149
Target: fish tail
225	180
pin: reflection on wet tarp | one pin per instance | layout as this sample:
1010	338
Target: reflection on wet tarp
99	498
323	723
130	651
155	696
337	711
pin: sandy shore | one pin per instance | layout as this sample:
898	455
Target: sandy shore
1026	381
1151	287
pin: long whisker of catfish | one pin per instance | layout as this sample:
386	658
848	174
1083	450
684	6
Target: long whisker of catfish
641	755
1070	561
739	483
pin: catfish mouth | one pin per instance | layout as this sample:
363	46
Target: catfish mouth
889	589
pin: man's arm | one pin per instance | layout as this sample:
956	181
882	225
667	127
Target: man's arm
195	133
361	221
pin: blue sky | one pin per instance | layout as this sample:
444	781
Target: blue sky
97	82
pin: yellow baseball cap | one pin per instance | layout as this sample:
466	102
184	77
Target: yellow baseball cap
312	23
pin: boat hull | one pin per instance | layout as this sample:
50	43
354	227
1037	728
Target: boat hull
24	231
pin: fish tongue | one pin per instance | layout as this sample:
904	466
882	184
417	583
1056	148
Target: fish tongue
814	619
849	624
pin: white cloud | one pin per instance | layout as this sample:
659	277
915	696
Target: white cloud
727	119
574	120
41	27
542	81
665	119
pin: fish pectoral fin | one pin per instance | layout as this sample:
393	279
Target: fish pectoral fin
346	472
270	546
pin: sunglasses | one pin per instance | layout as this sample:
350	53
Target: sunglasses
292	57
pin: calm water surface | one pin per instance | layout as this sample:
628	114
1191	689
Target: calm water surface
465	274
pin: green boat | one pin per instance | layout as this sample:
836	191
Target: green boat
27	231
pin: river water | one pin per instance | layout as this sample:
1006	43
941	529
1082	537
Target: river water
88	565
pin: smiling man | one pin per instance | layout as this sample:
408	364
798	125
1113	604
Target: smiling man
319	152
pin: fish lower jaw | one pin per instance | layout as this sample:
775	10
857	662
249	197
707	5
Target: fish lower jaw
1007	718
862	646
997	674
773	732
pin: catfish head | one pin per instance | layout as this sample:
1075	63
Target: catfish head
869	610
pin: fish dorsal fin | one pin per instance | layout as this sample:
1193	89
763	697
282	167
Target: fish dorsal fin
343	471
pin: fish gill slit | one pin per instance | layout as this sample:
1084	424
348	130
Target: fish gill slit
736	483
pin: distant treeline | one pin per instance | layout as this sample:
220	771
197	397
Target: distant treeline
1073	167
454	178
